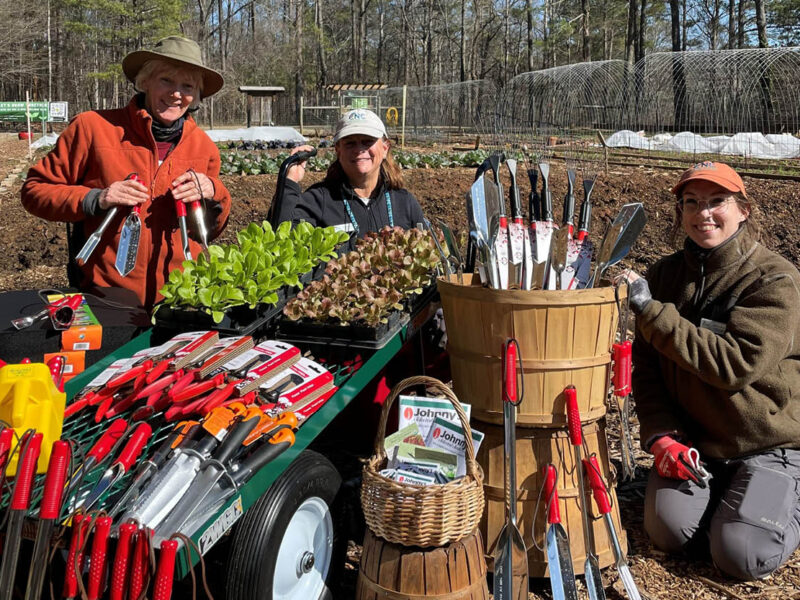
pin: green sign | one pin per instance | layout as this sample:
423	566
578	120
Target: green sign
359	102
15	111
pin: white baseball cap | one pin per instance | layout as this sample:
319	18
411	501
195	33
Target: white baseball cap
359	122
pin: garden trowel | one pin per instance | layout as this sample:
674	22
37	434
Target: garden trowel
544	231
128	247
521	258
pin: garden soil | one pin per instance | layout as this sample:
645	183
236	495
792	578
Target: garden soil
34	254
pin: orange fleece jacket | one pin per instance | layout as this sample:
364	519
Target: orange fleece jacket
101	147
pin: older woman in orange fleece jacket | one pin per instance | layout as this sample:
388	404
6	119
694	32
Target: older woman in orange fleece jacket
87	173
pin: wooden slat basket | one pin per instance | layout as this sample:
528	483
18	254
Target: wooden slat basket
413	515
565	337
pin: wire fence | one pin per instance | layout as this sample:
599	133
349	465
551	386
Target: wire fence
699	103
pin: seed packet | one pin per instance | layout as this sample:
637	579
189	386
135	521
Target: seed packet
423	468
422	411
446	461
408	434
450	437
402	476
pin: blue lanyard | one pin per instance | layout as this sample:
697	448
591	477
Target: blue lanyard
353	219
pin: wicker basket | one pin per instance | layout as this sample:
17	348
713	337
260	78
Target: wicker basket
424	516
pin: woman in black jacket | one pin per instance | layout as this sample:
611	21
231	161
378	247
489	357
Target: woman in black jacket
363	189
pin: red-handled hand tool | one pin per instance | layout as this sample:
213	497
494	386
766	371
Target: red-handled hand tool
511	555
180	210
94	239
130	374
80	529
96	455
621	352
181	434
128	247
133	448
594	581
97	561
140	566
162	588
30	445
57	364
119	571
601	497
48	515
562	575
6	441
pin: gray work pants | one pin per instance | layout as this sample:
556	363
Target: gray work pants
748	518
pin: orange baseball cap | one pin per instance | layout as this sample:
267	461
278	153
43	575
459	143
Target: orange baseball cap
719	173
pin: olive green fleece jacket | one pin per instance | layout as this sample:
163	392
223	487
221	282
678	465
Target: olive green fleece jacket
735	391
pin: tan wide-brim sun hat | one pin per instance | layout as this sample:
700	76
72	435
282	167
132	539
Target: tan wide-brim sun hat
174	49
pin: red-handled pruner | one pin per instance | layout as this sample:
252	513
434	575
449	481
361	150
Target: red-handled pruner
133	448
162	588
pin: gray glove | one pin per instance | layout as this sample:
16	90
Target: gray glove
640	295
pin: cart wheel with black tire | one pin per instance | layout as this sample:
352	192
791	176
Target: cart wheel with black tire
286	546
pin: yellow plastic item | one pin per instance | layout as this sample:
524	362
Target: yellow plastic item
30	400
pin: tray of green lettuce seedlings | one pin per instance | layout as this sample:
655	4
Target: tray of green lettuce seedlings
366	295
239	288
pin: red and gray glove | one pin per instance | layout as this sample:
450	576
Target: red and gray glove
671	457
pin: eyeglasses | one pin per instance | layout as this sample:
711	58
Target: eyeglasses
715	206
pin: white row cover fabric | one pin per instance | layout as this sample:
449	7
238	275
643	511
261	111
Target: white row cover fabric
264	134
752	145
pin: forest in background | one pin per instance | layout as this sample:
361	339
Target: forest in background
71	50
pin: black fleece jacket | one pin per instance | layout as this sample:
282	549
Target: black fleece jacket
322	205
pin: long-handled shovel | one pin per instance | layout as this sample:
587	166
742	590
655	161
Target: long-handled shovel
562	575
594	581
510	556
619	238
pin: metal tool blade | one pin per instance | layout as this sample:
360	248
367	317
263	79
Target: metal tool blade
563	561
194	496
594	581
106	481
94	239
164	490
128	248
558	257
618	238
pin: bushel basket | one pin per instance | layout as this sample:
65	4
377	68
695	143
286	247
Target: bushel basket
423	516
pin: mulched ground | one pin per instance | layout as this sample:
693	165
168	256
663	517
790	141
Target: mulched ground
34	254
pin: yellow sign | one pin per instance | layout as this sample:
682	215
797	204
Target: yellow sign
391	116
